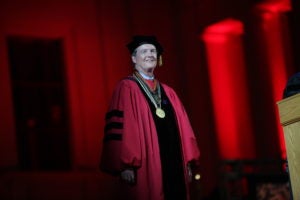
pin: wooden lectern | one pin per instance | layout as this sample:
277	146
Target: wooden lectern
289	112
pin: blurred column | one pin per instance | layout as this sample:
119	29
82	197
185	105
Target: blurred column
273	33
228	81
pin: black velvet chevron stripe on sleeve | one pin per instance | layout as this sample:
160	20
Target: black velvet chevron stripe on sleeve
113	113
112	136
114	123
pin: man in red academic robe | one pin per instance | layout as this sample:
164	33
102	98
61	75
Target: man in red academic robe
148	139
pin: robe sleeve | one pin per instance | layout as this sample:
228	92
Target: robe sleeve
121	142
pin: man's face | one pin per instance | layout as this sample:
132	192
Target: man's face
145	58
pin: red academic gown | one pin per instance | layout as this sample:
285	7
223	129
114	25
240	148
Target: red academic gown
130	140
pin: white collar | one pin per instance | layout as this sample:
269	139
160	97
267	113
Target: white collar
146	76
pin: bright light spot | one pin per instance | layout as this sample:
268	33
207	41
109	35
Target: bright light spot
197	177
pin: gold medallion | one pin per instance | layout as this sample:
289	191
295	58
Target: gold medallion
160	113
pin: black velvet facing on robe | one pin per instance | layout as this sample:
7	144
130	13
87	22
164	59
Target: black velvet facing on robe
170	150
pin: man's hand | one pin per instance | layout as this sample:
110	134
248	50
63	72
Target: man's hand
128	176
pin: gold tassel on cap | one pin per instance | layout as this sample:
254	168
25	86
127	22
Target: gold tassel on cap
160	62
